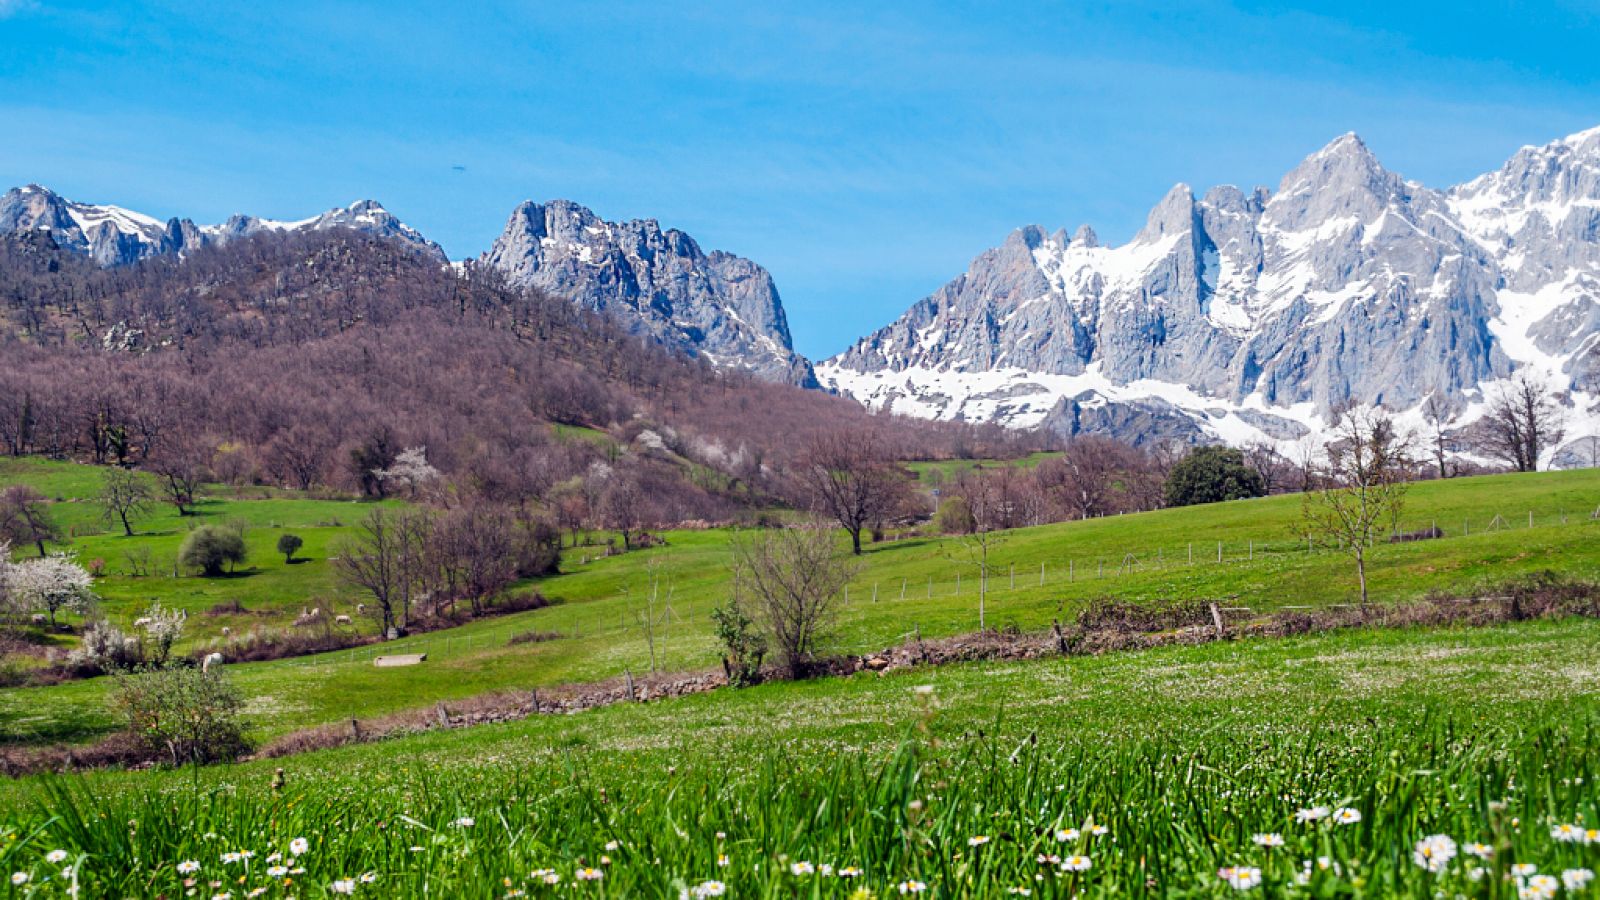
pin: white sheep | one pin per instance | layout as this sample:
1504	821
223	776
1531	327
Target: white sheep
212	659
141	622
226	631
341	620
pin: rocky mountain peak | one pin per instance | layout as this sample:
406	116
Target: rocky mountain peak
656	281
1173	215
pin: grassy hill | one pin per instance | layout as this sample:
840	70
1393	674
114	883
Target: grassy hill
599	601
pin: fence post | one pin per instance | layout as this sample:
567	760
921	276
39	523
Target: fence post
1252	548
930	587
1216	618
958	583
1069	571
1013	576
1219	551
1041	574
1530	518
1101	572
1191	553
874	592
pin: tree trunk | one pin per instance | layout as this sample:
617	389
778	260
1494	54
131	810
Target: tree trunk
125	526
855	541
39	542
1361	573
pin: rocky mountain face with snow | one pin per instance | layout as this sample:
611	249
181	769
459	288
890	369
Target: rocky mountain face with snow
1250	315
113	236
658	281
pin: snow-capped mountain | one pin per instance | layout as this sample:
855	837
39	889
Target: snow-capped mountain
658	281
1250	315
114	236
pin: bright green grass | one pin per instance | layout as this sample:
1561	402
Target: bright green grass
600	600
273	591
1181	753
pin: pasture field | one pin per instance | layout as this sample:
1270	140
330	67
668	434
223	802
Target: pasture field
1175	772
599	603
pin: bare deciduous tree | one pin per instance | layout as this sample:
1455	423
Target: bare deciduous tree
1436	412
1523	420
794	576
1363	490
385	558
851	479
25	519
124	497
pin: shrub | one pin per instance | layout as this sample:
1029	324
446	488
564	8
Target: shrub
954	516
288	545
208	548
106	648
745	647
1210	475
186	714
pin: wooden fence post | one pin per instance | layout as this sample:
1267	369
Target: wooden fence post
628	674
1216	618
444	716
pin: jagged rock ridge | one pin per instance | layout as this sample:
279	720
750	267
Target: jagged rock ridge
113	236
717	305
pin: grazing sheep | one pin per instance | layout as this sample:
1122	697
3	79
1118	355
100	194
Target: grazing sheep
341	620
212	659
141	622
226	631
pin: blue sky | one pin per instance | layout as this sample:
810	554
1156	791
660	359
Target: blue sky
861	152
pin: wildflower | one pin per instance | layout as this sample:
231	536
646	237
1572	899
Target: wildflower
188	867
300	845
1577	879
802	868
1567	834
1540	886
232	857
825	868
274	856
1345	815
605	860
55	856
369	877
415	849
255	892
225	895
612	845
1240	878
849	872
722	860
1075	864
722	835
1481	851
1099	830
1020	891
1523	870
1592	836
277	871
343	886
19	877
912	887
1048	859
588	874
1066	835
465	822
710	889
1312	814
977	840
1434	852
1267	840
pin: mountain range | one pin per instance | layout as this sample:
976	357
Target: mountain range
1251	314
1235	315
656	281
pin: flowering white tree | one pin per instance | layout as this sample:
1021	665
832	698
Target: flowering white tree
50	585
411	470
164	626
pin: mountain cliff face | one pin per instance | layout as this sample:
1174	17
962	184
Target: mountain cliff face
1251	315
113	236
657	281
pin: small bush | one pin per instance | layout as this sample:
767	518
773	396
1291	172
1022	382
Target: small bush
744	646
208	548
186	714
